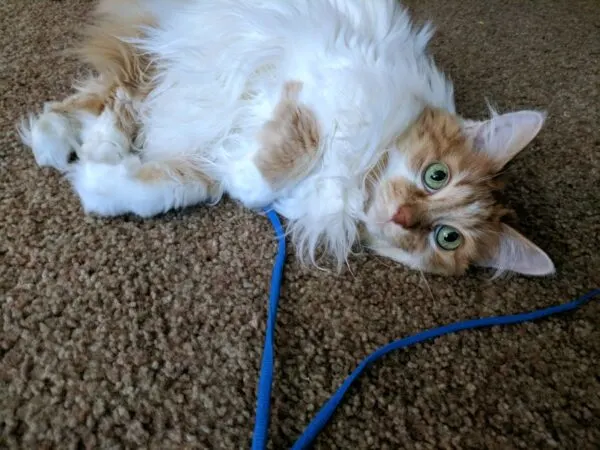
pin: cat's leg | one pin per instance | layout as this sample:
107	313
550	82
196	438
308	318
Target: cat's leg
142	188
288	148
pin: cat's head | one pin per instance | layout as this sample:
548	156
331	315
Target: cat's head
432	205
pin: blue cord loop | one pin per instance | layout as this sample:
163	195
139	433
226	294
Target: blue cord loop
261	426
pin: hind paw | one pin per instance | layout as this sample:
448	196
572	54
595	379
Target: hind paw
51	138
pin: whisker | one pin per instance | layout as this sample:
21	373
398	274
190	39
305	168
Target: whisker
427	284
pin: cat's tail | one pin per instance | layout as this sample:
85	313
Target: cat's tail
108	43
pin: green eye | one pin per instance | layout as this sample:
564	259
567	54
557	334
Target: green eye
448	238
436	176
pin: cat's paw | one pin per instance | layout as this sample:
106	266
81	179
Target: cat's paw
249	186
51	138
103	141
102	186
103	151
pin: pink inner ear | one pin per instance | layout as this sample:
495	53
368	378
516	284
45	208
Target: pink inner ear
495	133
518	254
504	136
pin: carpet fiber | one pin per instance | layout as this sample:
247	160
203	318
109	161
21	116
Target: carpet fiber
129	333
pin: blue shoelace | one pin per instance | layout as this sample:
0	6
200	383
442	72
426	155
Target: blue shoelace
265	382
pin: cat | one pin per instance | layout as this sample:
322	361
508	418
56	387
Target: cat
330	111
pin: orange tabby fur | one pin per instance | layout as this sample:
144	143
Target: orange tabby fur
290	141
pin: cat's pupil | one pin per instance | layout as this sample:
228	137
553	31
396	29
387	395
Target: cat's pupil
438	175
451	237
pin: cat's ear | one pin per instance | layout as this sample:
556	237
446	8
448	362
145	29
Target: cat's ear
504	136
516	253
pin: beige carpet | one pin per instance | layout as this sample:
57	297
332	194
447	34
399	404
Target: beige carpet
127	333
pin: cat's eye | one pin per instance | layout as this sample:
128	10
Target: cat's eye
436	176
448	238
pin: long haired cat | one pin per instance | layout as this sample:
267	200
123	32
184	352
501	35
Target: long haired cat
331	111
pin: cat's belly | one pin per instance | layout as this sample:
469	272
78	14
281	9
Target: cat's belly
218	136
222	136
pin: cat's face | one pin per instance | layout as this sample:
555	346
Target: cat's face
431	202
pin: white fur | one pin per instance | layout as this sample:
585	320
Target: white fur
248	184
398	167
413	260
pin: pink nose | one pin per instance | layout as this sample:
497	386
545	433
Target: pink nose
404	217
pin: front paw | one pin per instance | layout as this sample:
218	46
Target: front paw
107	152
249	187
103	141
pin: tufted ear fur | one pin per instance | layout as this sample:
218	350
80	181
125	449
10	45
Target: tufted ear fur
516	253
504	136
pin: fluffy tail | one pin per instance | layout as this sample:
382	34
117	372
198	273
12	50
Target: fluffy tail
107	46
